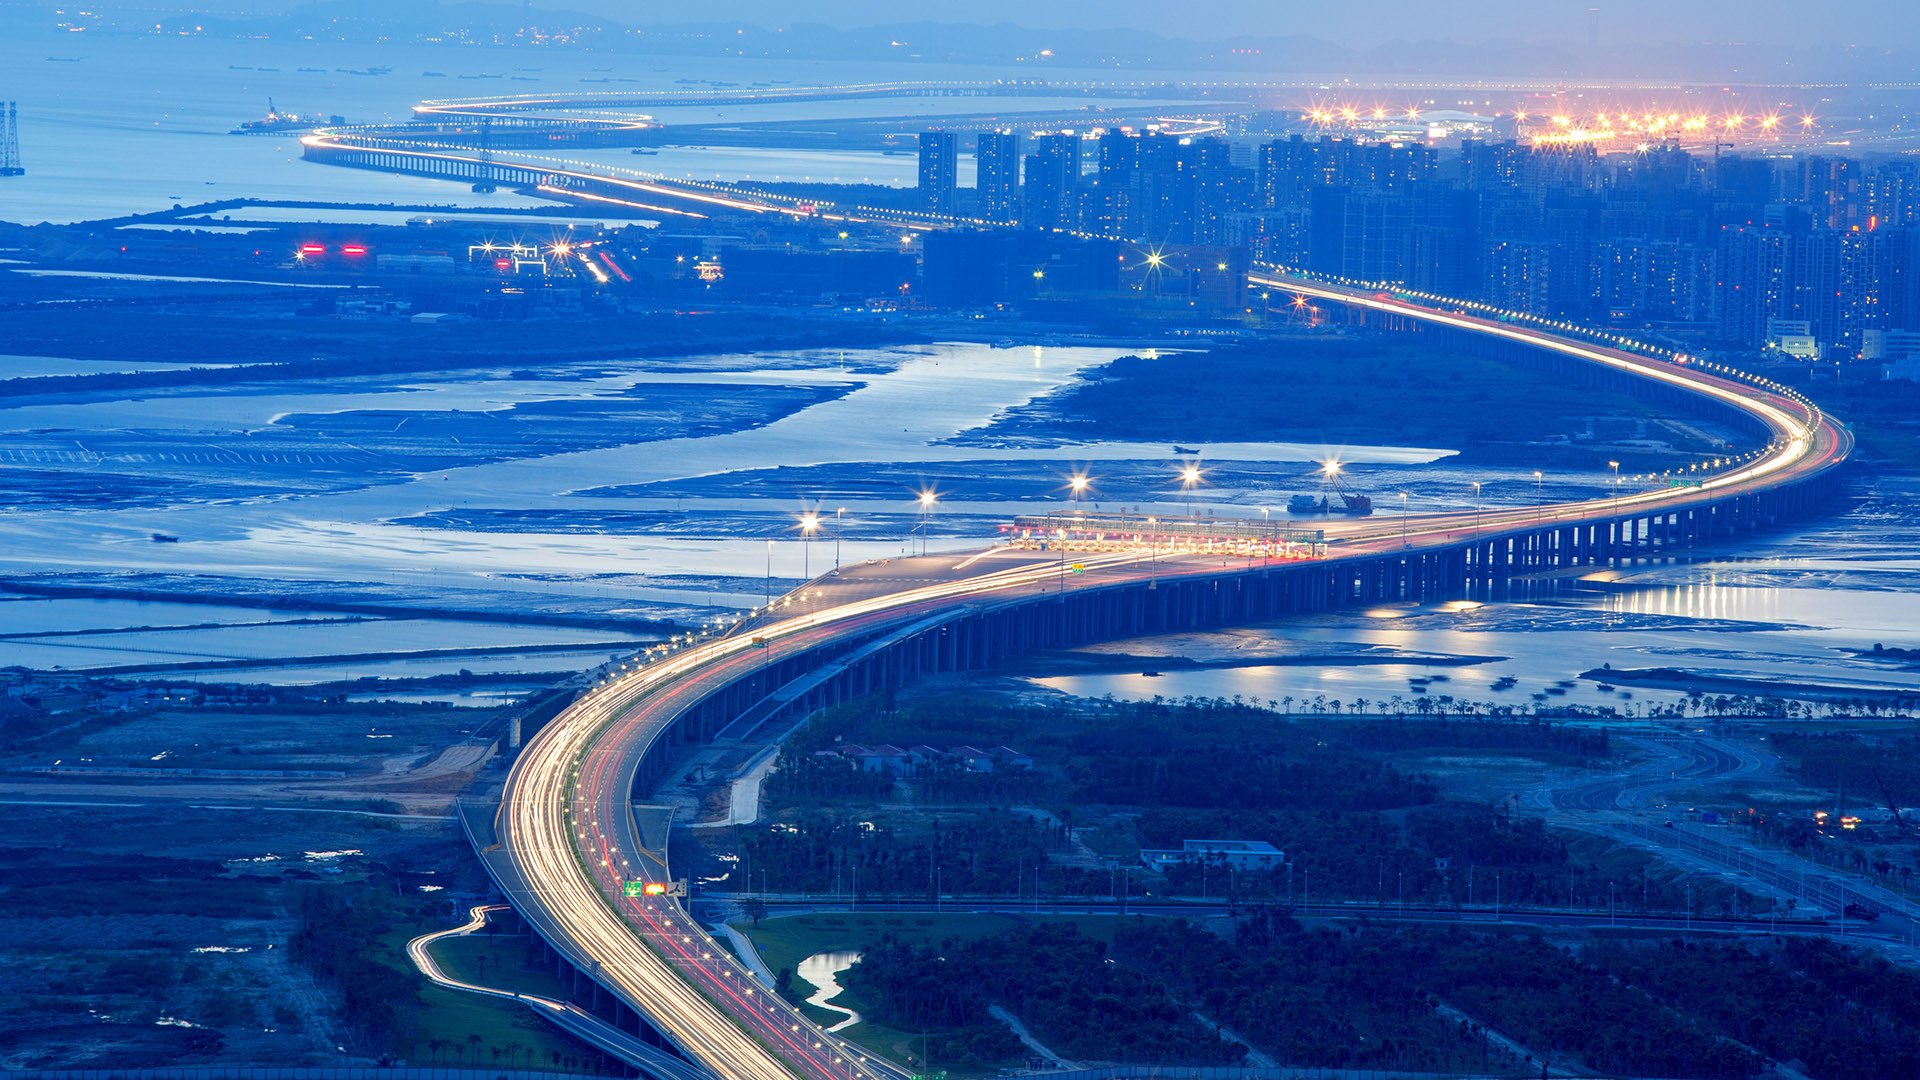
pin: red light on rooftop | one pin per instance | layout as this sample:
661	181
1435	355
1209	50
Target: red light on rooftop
313	249
502	264
353	249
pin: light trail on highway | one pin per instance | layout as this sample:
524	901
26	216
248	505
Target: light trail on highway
566	824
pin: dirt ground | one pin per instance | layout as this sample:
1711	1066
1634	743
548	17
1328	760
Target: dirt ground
144	918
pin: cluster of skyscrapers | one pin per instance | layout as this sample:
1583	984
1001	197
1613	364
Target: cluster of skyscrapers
1819	255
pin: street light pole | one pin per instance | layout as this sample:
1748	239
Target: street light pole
808	523
1403	521
1476	508
769	574
1153	554
927	499
837	516
1539	496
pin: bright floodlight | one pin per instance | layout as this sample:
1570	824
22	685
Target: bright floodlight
1078	483
1190	475
927	498
1330	467
809	522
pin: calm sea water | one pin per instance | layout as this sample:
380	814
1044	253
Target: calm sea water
1795	606
116	125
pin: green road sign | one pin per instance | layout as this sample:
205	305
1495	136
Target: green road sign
634	888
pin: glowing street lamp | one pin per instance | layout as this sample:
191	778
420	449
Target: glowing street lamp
809	522
1078	484
927	499
1189	479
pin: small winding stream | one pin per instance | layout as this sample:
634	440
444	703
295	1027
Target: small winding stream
822	971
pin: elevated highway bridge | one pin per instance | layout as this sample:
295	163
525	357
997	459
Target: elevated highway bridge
565	846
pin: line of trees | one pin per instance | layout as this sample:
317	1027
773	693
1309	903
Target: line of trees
336	939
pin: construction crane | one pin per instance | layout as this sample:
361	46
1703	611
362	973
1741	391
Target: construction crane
1332	487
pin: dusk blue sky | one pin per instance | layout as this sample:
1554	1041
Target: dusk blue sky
1771	22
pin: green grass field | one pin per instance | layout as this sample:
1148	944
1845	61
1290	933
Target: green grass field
450	1018
499	962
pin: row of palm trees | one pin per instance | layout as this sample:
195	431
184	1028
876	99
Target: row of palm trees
1695	704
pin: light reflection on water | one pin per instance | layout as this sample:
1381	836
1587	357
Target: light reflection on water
1707	617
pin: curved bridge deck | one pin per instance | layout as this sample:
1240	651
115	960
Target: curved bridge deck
566	839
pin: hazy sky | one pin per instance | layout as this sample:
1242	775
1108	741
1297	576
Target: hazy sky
1363	22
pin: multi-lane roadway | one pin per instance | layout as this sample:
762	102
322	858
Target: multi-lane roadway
568	842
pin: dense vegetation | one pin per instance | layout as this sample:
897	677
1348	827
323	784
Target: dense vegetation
1055	979
338	940
987	851
1189	753
1839	1012
1873	767
1408	998
1353	824
1429	854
